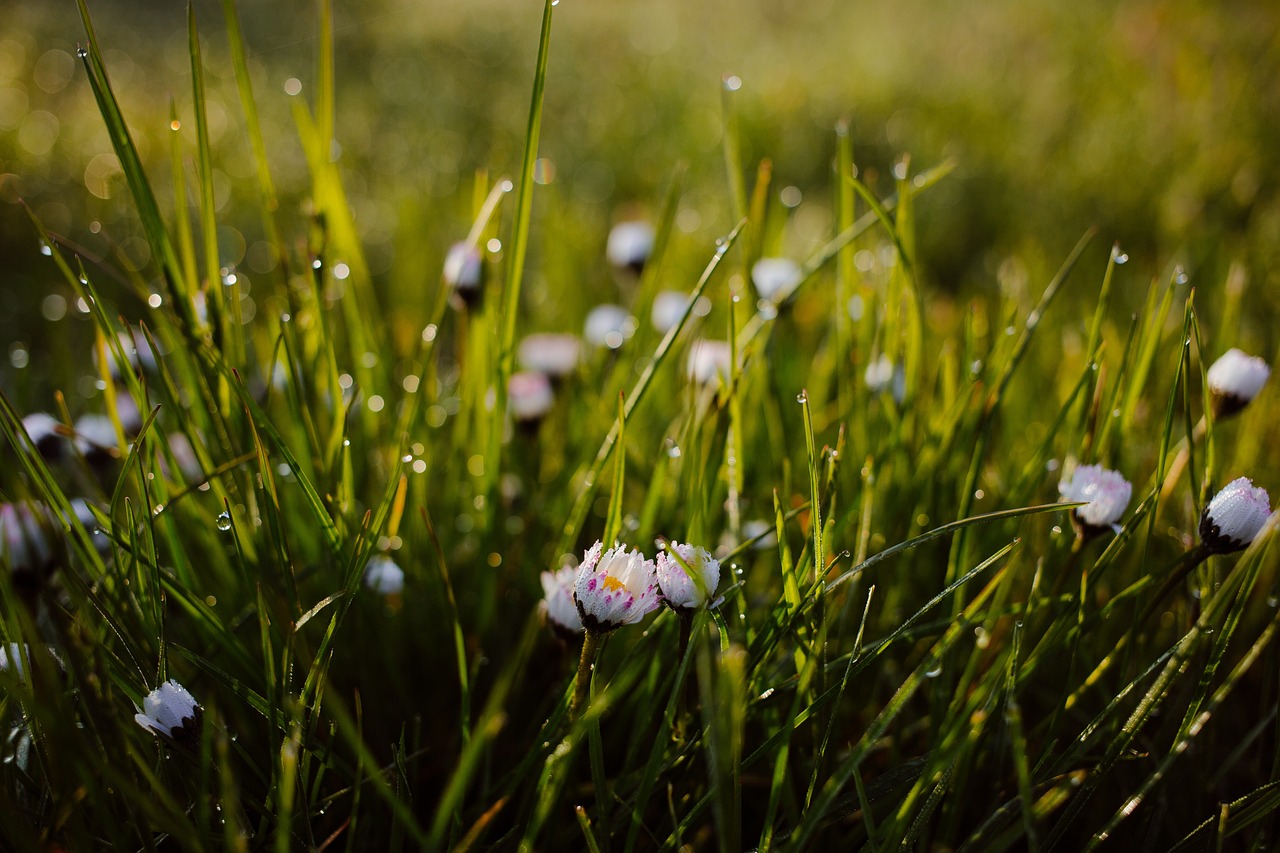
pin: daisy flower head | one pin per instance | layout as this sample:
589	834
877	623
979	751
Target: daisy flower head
608	326
710	362
614	588
1107	493
668	305
463	274
557	604
1234	517
687	582
45	437
383	576
529	396
630	244
774	278
1234	380
171	711
555	355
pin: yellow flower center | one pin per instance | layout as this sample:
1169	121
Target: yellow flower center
613	584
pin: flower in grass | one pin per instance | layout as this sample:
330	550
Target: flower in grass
608	326
557	601
1107	493
688	581
529	396
555	355
774	278
15	658
1234	380
614	588
710	361
43	431
171	711
95	438
138	353
629	245
26	543
883	375
383	576
464	274
668	305
1234	516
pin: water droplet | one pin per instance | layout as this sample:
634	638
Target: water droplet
224	521
674	451
1122	258
767	693
157	509
46	250
346	442
408	457
935	672
802	398
82	51
316	264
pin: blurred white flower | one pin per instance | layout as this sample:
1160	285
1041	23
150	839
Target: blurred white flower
137	351
608	326
1106	491
529	396
614	588
630	244
557	600
709	361
668	305
687	586
25	539
15	658
555	355
1234	380
171	711
774	278
42	430
766	531
1234	516
95	436
383	576
884	375
464	273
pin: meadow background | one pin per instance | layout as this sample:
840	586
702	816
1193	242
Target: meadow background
435	718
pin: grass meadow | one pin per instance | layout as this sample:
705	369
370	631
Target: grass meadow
310	298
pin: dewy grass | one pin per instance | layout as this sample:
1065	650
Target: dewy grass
270	435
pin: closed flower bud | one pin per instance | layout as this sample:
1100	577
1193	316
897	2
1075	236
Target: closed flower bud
710	362
614	588
383	576
171	711
775	278
26	541
1234	380
557	604
46	438
688	581
1107	493
629	245
608	326
464	274
529	396
667	308
555	355
1234	516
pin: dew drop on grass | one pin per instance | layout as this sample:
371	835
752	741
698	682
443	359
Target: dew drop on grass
934	673
82	51
1122	258
157	509
802	397
224	521
47	250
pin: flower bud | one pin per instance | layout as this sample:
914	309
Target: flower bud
1234	516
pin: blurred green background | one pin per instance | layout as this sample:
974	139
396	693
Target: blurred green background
1156	121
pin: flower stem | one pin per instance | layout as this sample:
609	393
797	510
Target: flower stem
586	666
683	691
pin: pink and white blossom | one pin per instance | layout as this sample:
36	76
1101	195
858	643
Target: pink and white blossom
614	588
